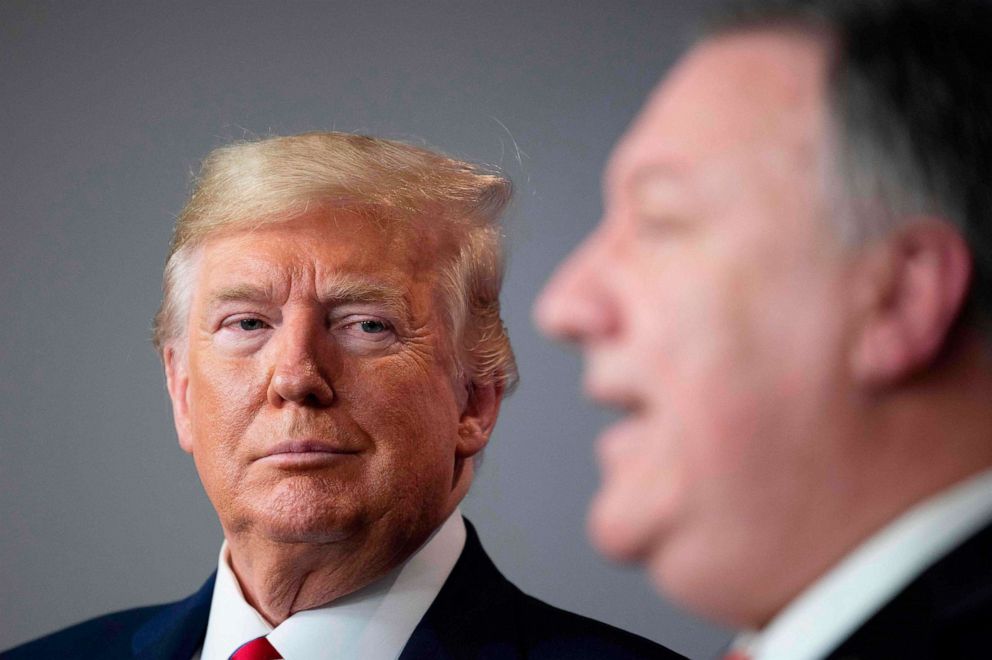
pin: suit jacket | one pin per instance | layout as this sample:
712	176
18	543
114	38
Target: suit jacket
946	612
477	614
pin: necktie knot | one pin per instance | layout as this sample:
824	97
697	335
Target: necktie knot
257	649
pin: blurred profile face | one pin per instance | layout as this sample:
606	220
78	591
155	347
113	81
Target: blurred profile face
315	393
709	305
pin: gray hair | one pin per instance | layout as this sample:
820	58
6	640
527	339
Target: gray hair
910	90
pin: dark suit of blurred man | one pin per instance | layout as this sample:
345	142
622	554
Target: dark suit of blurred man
790	296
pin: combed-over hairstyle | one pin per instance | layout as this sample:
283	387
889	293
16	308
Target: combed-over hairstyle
249	184
910	94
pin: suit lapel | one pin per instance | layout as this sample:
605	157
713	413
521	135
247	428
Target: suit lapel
177	630
472	615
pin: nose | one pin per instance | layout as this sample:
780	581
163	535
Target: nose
301	372
577	305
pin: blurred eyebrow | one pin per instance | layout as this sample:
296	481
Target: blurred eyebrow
633	180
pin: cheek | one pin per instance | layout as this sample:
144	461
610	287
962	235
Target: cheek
708	338
745	372
407	409
683	302
225	397
725	324
412	421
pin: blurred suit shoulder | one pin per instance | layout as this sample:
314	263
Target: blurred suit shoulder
944	613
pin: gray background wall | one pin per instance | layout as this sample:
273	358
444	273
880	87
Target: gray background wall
106	108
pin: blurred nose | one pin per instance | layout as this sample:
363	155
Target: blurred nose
577	305
300	375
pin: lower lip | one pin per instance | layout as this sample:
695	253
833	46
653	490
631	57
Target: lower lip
306	459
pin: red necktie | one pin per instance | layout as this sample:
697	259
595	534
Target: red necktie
256	649
736	655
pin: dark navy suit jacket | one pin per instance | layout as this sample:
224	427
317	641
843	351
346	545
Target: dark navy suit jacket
477	614
946	612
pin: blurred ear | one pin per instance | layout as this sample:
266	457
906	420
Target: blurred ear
478	417
913	289
177	382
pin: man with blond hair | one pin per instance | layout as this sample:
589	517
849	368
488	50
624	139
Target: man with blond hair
335	357
790	298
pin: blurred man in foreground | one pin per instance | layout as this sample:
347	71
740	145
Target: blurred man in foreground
789	296
336	360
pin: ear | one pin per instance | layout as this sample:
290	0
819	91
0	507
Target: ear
478	418
177	382
914	286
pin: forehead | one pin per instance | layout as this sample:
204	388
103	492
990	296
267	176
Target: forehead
325	243
741	92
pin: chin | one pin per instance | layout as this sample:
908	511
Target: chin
307	515
302	529
701	579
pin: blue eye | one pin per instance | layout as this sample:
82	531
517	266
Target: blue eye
251	324
373	327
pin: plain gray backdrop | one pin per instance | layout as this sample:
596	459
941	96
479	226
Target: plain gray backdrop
107	107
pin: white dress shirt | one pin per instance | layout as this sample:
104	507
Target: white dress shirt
373	623
836	605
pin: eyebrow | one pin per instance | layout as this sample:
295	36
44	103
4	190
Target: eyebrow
344	289
631	180
337	290
240	293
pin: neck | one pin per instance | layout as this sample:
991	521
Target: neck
911	443
933	430
280	579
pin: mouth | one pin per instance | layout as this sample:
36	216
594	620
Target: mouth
307	453
622	434
623	402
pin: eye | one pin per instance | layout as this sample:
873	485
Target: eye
362	329
365	335
251	324
372	326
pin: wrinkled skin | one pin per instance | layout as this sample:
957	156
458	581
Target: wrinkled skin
315	393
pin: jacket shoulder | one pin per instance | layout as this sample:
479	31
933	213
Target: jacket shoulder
550	632
106	636
481	615
170	630
944	613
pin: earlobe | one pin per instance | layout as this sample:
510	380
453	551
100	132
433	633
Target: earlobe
478	417
917	280
177	382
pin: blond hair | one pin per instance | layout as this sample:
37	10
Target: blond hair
253	183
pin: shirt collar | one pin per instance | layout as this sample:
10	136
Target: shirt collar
835	606
374	622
